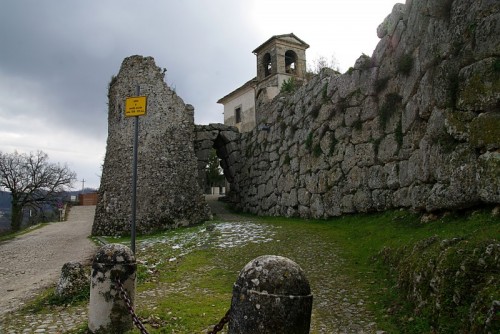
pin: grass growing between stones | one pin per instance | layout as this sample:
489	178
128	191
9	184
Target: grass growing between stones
185	276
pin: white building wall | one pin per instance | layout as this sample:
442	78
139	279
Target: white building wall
246	101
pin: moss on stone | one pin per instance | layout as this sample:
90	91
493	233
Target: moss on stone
479	85
287	159
324	93
458	122
381	84
333	143
398	134
309	141
317	150
496	65
450	281
485	130
389	107
405	64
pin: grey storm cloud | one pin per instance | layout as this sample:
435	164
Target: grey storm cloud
72	48
57	58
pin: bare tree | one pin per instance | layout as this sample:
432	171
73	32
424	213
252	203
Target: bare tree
316	65
32	181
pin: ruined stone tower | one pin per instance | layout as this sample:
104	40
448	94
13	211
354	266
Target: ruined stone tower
167	192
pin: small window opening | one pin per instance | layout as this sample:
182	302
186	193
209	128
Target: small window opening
290	62
237	114
267	64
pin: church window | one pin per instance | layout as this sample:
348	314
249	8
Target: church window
237	114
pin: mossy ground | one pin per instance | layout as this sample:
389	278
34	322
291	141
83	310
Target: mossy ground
185	276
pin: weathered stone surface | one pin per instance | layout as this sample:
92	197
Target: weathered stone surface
108	312
415	125
460	273
487	172
411	126
271	295
163	201
389	25
73	280
485	130
479	88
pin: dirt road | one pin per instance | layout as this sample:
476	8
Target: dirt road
34	260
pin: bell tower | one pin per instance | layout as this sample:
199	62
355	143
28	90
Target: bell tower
280	58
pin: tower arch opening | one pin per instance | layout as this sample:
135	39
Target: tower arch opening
290	62
267	64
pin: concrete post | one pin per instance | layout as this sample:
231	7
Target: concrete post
108	312
271	295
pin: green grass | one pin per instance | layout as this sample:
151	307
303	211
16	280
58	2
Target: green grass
358	239
193	290
11	235
47	301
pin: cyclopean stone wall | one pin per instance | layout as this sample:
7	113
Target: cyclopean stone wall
416	125
167	192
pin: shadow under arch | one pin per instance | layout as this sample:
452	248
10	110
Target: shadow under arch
220	146
225	140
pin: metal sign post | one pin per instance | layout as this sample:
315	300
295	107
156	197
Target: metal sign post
135	107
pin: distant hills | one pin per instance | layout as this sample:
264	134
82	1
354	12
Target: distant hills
5	198
5	204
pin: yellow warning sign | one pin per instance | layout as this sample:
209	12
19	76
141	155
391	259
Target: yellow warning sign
135	106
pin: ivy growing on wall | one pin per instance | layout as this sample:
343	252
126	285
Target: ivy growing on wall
288	86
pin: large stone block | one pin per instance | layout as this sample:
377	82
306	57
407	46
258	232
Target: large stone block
479	86
415	125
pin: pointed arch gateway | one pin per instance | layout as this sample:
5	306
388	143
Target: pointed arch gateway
226	142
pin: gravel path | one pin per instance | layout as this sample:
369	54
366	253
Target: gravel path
220	211
34	260
339	309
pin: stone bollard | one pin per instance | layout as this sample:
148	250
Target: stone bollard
271	295
108	313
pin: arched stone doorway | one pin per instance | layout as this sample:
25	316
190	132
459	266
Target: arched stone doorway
226	142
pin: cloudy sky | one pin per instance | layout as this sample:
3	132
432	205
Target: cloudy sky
57	58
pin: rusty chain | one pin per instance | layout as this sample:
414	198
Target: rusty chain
140	326
221	324
135	319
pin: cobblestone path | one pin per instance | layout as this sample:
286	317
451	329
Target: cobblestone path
33	261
